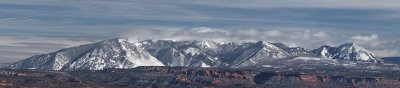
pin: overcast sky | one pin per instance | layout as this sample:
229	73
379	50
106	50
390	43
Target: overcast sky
31	27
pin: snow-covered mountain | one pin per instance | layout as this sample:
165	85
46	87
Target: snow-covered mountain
349	51
184	53
262	51
119	53
114	53
215	54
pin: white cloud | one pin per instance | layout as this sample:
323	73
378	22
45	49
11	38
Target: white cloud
300	38
15	41
321	34
174	33
249	32
306	34
386	53
17	48
209	30
366	37
303	38
273	33
204	29
372	40
198	33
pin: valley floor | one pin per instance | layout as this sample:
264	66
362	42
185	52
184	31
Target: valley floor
172	77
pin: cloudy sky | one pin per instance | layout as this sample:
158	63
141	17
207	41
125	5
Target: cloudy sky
30	27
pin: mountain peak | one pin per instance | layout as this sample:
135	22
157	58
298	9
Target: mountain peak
348	51
349	44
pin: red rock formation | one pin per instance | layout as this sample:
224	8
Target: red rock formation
203	77
182	78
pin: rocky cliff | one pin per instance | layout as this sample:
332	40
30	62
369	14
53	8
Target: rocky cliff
228	77
167	77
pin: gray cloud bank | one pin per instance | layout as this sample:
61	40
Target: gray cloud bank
17	48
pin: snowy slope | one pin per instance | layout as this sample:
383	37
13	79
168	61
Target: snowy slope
183	53
266	51
258	52
325	51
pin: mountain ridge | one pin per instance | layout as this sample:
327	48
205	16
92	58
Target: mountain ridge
120	53
347	51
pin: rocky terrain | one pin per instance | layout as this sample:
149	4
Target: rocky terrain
167	77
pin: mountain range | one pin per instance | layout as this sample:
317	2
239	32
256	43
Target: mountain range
120	53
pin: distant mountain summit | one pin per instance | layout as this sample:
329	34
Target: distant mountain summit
119	53
349	51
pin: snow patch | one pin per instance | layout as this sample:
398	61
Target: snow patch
138	44
324	53
204	64
364	57
192	51
309	58
267	66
